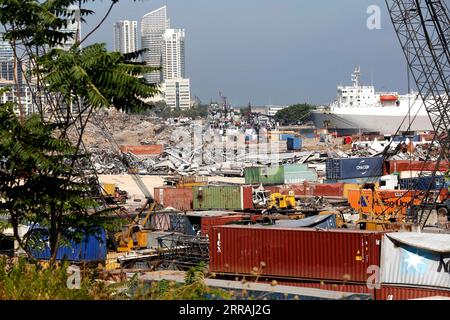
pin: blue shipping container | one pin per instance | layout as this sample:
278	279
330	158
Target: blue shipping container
347	168
91	249
181	223
285	136
294	143
421	183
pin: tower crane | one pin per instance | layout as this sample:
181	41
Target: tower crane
423	29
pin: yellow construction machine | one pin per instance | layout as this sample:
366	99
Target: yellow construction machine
134	236
273	202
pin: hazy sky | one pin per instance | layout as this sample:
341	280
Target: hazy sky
273	51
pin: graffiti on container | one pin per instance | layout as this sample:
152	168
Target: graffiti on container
445	266
373	281
218	243
73	277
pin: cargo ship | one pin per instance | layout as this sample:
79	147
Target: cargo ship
359	108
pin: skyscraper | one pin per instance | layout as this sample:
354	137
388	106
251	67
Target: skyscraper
7	79
173	54
153	26
74	28
125	36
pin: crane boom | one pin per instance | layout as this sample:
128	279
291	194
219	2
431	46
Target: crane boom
423	29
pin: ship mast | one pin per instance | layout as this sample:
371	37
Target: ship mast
355	76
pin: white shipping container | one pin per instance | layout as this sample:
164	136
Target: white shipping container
416	259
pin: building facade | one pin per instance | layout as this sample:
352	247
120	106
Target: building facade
177	93
19	93
153	26
173	54
125	36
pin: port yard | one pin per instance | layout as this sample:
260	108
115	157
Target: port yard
311	226
134	197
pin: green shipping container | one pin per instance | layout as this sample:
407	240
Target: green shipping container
222	198
297	173
264	175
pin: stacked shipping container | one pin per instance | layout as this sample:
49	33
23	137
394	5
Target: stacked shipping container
178	198
348	168
294	253
222	198
279	175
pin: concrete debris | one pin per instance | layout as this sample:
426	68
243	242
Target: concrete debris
194	148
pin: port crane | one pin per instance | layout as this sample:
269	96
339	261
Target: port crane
423	30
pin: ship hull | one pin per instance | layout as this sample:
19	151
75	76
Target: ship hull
355	123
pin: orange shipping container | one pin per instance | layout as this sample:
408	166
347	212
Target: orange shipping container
384	202
152	149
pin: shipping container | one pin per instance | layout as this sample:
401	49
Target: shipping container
180	223
375	180
298	173
153	149
223	198
208	222
422	183
388	292
178	198
324	221
416	260
393	166
264	175
324	189
382	202
345	168
294	143
324	285
92	248
286	136
294	253
350	186
279	175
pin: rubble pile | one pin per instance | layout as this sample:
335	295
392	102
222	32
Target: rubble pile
193	149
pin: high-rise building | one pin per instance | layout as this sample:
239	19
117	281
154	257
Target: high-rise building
125	36
173	54
7	80
74	28
177	93
153	26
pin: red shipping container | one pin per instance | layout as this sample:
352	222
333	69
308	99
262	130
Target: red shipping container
406	165
299	189
406	293
152	149
324	189
208	222
247	197
178	198
342	287
294	253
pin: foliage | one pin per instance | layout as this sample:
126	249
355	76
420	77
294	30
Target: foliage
193	288
294	114
25	281
40	180
97	78
36	182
